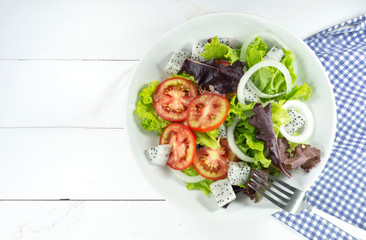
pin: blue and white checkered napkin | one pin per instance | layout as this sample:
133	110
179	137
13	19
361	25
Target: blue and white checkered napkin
341	188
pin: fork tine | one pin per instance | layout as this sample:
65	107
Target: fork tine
267	196
288	194
271	191
279	181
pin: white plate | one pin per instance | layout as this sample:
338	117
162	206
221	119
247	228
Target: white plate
239	26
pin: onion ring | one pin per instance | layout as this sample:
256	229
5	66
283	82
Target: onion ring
231	141
185	178
253	69
304	110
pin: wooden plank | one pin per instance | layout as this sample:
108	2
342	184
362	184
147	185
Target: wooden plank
127	220
114	29
63	93
69	163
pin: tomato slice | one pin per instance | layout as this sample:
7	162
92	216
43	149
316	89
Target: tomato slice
231	156
223	62
207	112
183	143
214	164
172	97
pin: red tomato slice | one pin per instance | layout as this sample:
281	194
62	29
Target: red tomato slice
207	112
183	143
223	62
231	156
172	97
214	164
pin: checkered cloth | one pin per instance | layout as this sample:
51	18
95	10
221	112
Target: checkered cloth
341	188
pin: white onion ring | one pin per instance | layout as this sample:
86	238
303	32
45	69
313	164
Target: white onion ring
253	69
185	178
294	66
231	141
270	40
304	110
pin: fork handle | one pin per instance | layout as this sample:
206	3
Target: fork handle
349	228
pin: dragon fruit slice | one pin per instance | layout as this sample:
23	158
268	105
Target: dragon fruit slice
159	154
223	192
197	49
223	132
275	53
297	122
238	173
249	95
231	42
175	62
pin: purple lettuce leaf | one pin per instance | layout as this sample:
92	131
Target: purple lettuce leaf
222	79
304	155
262	120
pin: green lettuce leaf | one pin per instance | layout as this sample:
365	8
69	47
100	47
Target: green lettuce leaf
299	92
279	116
219	51
256	50
185	76
190	171
208	139
238	109
268	79
232	55
288	61
244	133
204	185
146	112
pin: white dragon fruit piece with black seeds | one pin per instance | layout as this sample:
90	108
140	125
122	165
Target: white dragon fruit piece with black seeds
223	131
275	53
249	95
159	154
197	49
223	192
175	62
231	42
238	173
296	123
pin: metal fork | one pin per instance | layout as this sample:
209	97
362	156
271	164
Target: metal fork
294	200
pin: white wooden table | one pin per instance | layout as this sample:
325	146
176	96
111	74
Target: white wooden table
64	68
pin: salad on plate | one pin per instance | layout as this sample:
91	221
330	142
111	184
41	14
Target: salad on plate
226	109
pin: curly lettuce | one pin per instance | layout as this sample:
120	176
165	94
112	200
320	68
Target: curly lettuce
245	133
185	76
299	92
269	80
238	109
146	112
279	116
208	139
255	52
219	51
203	186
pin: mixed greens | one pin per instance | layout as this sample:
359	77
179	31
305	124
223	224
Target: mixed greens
213	76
